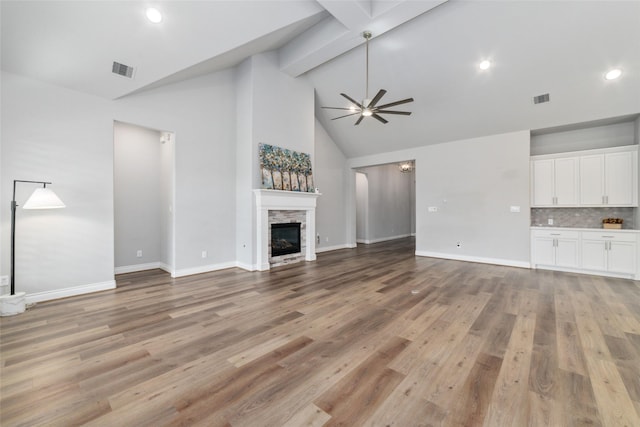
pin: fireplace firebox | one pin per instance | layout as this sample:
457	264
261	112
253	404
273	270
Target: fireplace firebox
285	238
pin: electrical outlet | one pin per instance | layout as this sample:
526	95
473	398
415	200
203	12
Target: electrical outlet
139	253
326	239
318	239
204	254
550	221
4	280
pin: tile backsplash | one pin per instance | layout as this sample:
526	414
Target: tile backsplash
582	217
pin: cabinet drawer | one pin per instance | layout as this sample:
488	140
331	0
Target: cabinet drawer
555	234
609	236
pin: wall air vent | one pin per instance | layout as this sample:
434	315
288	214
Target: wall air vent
122	70
541	98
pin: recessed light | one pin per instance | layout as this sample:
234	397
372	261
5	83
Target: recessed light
484	65
613	74
154	15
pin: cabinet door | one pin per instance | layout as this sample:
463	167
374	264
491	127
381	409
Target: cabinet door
594	255
542	192
543	251
620	178
592	180
622	257
566	181
567	253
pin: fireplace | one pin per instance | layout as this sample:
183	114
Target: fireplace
285	238
279	207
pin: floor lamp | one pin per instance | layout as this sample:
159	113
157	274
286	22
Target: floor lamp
42	198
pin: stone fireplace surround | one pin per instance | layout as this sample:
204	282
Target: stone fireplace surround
278	200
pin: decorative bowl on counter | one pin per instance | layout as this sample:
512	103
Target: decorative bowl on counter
612	223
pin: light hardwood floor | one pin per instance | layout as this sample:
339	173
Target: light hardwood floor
371	336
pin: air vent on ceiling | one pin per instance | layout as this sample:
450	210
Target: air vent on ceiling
541	98
122	70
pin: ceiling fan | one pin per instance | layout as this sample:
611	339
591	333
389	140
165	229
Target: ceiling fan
368	107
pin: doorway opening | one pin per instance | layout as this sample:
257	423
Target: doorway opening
385	202
144	177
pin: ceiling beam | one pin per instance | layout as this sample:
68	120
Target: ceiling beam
342	31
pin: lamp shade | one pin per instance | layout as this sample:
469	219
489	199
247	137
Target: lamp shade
43	198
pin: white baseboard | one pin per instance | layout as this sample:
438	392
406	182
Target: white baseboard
590	272
482	260
382	239
70	292
247	267
203	269
138	267
334	248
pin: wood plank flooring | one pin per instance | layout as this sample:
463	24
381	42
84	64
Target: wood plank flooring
372	336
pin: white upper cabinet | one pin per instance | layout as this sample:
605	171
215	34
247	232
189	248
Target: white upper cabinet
609	179
592	180
604	177
621	179
554	182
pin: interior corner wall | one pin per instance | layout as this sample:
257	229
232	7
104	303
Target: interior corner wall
137	195
362	206
245	168
473	183
272	108
329	175
54	134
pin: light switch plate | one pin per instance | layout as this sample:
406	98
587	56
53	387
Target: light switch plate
433	209
515	209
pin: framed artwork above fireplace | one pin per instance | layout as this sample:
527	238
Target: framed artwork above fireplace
284	169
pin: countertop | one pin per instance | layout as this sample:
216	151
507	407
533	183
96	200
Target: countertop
546	227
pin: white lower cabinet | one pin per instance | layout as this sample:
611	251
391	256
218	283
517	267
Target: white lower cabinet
556	248
597	252
609	251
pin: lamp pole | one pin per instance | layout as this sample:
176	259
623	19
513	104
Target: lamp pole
14	205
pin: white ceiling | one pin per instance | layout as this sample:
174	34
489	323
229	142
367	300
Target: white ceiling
427	50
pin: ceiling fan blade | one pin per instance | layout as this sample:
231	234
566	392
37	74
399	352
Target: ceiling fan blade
404	113
359	120
338	108
353	101
346	115
391	104
376	98
377	117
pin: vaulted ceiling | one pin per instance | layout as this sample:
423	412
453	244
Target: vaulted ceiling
428	50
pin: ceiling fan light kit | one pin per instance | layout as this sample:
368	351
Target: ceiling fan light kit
369	106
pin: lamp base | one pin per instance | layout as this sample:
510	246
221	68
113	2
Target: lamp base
12	304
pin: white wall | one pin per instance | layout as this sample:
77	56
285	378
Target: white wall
167	196
137	195
54	134
473	183
362	206
329	175
389	203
